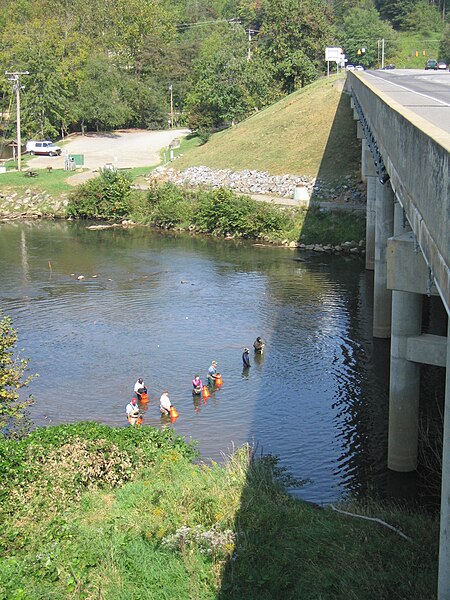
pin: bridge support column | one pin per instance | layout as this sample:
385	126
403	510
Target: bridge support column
370	222
404	383
404	379
444	545
369	174
384	226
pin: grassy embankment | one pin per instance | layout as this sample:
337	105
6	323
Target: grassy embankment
310	132
94	512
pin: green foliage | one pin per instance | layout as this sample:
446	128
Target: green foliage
222	212
176	529
293	36
105	197
14	421
76	457
362	28
170	206
444	48
423	18
99	102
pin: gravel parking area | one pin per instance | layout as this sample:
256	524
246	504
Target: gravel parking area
123	148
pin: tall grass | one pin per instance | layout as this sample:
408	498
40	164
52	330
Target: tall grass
94	512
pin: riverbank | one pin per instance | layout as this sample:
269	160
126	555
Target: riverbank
109	512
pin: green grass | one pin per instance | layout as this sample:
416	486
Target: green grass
53	182
310	132
94	512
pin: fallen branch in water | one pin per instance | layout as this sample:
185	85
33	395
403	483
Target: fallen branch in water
349	514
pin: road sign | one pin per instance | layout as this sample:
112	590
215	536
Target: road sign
332	53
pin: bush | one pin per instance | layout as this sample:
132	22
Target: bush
169	205
105	197
221	211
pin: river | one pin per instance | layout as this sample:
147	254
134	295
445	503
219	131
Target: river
163	305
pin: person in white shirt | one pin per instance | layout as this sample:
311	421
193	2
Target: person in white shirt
132	410
140	388
165	403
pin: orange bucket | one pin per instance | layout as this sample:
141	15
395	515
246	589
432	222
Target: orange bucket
219	381
144	397
205	392
139	421
173	412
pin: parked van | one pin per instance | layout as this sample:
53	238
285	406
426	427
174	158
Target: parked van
43	147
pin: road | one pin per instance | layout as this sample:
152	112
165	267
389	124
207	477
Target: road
427	93
123	149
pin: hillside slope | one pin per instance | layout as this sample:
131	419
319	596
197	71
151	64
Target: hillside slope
310	132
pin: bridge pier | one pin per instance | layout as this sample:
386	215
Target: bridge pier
369	175
384	227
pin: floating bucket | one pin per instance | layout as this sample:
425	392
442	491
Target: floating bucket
144	397
205	392
173	412
219	381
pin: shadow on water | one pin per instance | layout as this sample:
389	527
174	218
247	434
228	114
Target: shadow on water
354	399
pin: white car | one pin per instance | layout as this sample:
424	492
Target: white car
359	68
350	67
43	147
442	66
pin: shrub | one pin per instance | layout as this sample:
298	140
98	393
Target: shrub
14	420
169	205
221	211
105	197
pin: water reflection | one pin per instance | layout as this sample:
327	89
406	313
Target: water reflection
162	306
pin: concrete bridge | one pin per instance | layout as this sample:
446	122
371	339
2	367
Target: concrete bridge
405	163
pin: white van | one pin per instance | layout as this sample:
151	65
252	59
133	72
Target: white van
43	147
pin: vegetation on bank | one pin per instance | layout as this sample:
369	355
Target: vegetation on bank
219	212
91	511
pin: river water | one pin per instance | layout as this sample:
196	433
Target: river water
162	306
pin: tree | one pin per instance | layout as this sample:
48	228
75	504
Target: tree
14	419
227	86
293	36
444	48
361	29
423	18
100	101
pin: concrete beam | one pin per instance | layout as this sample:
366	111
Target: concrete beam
407	270
404	384
384	228
359	131
427	349
370	223
367	162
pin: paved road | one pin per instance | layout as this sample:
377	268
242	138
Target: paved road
124	149
427	93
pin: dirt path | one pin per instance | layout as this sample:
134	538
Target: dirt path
123	149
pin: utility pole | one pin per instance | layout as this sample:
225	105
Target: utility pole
171	105
249	51
15	78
